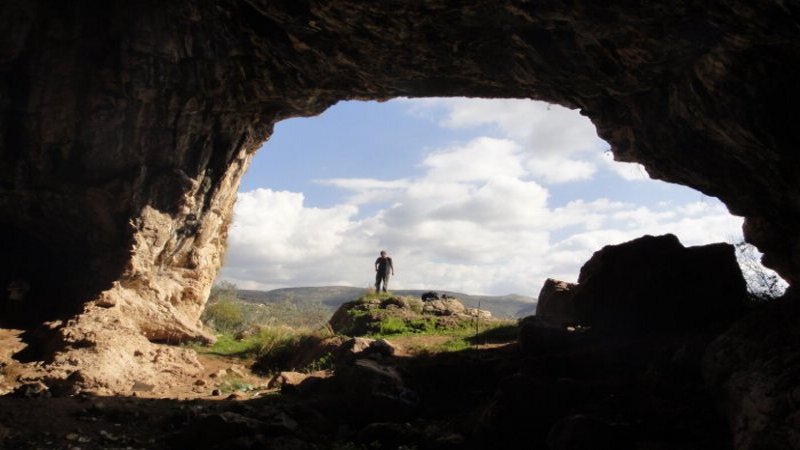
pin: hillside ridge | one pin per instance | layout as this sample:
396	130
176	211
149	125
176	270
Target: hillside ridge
509	305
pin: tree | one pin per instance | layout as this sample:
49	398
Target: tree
224	290
223	312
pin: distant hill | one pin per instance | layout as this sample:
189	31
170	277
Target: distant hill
505	306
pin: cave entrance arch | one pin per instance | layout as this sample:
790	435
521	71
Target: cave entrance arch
510	170
130	123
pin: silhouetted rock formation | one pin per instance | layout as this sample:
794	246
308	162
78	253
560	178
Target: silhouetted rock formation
556	302
656	284
649	284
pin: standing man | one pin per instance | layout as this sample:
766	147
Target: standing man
383	267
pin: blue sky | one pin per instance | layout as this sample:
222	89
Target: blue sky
472	195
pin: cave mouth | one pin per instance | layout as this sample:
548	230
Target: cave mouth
45	279
445	183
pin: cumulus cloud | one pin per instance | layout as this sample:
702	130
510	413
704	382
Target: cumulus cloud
557	144
274	237
479	159
542	128
367	190
476	218
560	170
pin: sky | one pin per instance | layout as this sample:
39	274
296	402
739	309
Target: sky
471	195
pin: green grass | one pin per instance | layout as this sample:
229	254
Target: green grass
393	325
227	345
268	340
454	345
371	295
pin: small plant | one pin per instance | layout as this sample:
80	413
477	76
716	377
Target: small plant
324	362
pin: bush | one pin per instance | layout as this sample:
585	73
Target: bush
280	348
224	316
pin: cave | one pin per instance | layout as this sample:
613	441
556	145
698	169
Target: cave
125	127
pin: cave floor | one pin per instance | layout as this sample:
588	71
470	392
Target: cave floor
619	393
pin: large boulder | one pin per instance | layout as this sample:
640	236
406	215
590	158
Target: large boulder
356	318
444	307
556	302
391	315
538	336
654	283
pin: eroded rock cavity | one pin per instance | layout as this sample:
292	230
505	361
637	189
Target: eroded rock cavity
125	126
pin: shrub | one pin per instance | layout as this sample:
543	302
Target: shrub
283	348
224	316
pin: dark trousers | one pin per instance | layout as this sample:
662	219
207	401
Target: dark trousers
381	277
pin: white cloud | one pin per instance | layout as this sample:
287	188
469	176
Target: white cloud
274	236
359	184
477	218
480	159
543	128
367	190
560	170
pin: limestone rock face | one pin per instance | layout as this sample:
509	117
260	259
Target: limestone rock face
555	302
126	126
655	283
444	307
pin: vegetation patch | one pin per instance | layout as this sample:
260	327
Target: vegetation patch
276	339
225	312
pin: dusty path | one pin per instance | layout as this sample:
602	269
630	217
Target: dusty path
139	419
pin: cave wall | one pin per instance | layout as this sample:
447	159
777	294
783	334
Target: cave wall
126	126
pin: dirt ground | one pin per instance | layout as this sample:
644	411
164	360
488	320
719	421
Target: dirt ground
142	418
138	419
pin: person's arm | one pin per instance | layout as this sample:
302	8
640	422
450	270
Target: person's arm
377	261
391	266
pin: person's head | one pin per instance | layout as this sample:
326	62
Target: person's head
383	252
